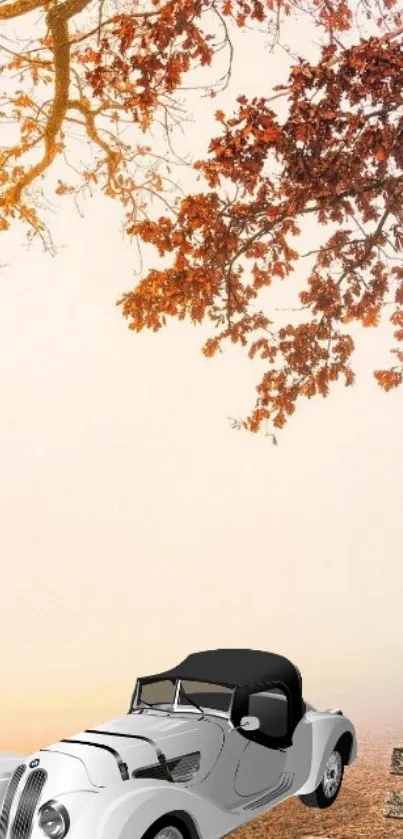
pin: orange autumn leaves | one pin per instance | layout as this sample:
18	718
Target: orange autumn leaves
336	158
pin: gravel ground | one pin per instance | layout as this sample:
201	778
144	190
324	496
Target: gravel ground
358	811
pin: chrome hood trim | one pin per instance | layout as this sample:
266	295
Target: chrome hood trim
114	750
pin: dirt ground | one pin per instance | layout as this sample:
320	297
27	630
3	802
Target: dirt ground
358	811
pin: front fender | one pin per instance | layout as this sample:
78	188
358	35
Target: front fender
128	812
326	729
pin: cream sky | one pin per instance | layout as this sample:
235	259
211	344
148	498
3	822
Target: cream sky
136	526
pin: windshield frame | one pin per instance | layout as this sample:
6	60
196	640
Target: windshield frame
175	707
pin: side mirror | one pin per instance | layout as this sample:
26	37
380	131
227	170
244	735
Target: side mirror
250	723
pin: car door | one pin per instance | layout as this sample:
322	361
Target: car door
261	766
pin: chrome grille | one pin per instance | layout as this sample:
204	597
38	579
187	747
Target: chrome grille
9	798
22	824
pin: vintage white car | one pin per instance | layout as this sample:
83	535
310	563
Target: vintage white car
204	748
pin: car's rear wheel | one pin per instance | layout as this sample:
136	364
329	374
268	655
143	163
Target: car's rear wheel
326	793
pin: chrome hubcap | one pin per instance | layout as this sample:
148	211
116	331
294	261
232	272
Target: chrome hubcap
169	832
332	775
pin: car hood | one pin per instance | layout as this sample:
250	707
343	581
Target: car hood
102	750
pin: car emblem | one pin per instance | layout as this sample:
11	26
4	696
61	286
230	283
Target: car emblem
34	763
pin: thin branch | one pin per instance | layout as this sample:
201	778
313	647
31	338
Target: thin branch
113	19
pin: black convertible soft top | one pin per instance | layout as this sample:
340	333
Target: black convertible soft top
242	670
234	668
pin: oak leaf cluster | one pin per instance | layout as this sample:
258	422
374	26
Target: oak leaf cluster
334	158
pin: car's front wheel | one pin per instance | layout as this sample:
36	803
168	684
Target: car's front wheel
168	827
326	793
169	831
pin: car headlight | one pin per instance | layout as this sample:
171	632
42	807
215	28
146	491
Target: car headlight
53	819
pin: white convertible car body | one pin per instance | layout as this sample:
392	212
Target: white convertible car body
205	747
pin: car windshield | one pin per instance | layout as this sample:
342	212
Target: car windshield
159	695
207	696
181	695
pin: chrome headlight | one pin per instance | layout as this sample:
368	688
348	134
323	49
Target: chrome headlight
53	819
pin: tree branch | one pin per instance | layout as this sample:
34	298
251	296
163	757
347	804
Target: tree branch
57	19
21	7
89	116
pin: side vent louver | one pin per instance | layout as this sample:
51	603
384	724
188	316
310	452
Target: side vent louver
181	768
155	771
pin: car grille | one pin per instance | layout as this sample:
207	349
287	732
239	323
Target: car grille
22	824
9	798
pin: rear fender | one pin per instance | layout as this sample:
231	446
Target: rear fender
326	731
